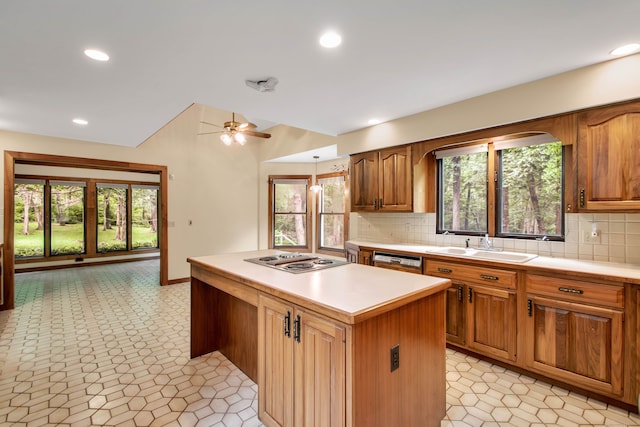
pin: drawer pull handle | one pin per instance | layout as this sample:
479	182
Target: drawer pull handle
445	270
489	277
571	290
296	329
287	324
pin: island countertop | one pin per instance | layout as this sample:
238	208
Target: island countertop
349	293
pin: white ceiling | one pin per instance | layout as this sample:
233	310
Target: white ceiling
398	58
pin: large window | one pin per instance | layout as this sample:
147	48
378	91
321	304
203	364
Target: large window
529	189
29	227
144	216
331	211
524	174
112	217
462	185
50	217
289	219
67	217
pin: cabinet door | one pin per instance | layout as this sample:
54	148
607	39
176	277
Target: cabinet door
364	181
275	362
491	324
576	343
320	360
395	180
609	158
455	312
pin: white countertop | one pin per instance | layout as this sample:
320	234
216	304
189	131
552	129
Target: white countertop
617	271
351	289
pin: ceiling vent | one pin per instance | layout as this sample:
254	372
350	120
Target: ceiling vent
266	85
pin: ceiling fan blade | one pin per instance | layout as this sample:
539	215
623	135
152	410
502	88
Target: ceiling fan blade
211	124
210	133
258	134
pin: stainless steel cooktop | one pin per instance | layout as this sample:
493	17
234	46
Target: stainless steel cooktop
295	262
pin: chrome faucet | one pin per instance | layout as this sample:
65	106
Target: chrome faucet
486	243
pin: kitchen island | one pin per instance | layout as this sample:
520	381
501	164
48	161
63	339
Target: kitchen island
344	346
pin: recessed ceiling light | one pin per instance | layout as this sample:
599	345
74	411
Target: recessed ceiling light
98	55
330	39
80	121
374	121
626	49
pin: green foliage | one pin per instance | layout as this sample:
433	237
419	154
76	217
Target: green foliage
469	174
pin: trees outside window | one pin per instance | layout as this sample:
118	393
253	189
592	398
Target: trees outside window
112	217
530	190
331	211
289	217
462	190
526	176
50	217
67	218
29	229
144	217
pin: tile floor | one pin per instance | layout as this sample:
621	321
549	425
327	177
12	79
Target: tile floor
107	346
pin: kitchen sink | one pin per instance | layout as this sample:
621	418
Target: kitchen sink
486	254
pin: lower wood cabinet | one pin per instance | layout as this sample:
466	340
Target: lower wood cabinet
575	332
480	308
301	367
358	256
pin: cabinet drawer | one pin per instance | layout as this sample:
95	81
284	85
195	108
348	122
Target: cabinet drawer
492	276
575	290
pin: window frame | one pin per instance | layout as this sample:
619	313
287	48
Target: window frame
304	179
494	188
90	220
324	249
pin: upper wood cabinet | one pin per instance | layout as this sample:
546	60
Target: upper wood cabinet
609	158
381	181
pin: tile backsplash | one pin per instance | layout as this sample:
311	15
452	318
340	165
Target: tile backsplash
618	235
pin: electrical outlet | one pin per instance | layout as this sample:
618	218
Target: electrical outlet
590	237
395	357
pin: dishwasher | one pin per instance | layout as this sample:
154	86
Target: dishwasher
408	263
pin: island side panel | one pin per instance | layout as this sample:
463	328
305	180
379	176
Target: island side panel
415	393
225	323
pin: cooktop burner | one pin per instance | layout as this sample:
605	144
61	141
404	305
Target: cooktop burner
295	262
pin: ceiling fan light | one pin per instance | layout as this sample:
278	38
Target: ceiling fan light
226	138
239	138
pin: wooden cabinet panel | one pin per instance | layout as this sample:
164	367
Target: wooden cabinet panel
576	290
484	319
577	343
320	373
275	355
381	181
609	158
395	184
358	256
364	181
302	362
455	314
491	325
482	275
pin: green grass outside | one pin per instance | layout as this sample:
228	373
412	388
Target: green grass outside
69	239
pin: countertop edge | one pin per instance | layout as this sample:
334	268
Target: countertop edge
439	285
533	265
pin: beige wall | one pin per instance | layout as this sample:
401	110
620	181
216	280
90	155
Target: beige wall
223	190
213	185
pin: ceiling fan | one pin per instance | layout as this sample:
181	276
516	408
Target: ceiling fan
233	131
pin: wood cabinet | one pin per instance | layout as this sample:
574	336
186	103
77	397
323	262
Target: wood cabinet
575	332
301	368
381	181
480	307
609	158
357	255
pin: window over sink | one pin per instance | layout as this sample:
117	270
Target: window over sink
521	175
